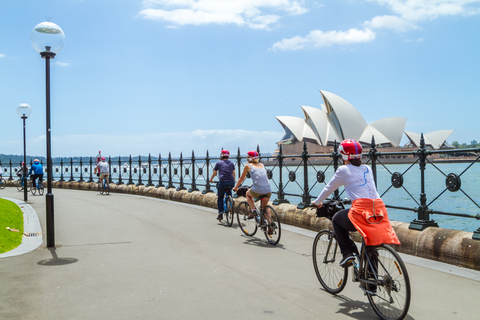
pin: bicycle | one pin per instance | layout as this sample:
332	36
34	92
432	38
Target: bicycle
104	186
36	187
228	206
249	227
380	270
3	183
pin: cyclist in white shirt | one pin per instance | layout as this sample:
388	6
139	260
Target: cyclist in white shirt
102	170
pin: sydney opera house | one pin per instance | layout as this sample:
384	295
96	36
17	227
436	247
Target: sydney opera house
339	120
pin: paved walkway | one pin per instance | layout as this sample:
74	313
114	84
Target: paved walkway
130	257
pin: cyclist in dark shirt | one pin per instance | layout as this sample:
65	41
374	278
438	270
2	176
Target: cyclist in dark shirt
226	173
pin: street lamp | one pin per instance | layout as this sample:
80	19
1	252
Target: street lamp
48	39
24	112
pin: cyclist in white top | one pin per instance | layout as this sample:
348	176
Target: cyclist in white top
260	183
102	170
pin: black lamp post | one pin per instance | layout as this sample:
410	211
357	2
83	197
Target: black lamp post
48	39
24	112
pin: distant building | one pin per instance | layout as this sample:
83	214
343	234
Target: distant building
339	120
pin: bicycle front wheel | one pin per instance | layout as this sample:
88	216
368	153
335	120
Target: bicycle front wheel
326	257
40	189
390	298
2	183
229	212
274	230
248	226
33	189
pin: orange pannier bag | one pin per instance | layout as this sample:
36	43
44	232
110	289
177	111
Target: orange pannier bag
370	218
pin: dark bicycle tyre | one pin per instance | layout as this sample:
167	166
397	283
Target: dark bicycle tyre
229	214
40	189
390	298
273	235
18	184
326	258
248	226
33	189
2	183
100	187
107	189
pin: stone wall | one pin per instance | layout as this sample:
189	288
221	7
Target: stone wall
445	245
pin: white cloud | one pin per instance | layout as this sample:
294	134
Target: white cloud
2	55
318	39
61	64
408	13
255	14
390	22
143	144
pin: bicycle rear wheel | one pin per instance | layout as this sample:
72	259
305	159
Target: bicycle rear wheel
390	298
274	231
100	188
248	226
326	256
18	184
107	188
229	213
2	183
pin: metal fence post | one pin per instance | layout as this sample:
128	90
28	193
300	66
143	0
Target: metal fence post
149	183
281	194
140	171
194	182
61	169
120	171
372	154
181	187
423	220
306	197
91	170
130	181
207	185
160	171
170	182
335	157
71	170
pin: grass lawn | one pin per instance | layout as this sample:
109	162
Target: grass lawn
10	216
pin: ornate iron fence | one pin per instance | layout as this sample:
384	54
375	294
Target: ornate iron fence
300	176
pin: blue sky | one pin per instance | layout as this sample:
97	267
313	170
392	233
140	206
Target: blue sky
139	77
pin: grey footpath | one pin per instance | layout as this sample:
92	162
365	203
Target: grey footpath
132	257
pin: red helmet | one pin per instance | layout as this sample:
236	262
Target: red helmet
350	149
252	155
224	154
103	158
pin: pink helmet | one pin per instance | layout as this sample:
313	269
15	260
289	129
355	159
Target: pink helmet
252	155
224	154
103	158
350	149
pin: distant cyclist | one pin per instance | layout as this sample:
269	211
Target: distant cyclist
36	171
226	174
260	183
102	170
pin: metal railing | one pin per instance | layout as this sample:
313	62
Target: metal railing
291	176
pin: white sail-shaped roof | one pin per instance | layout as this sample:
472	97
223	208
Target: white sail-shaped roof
348	122
392	128
436	139
297	127
319	122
